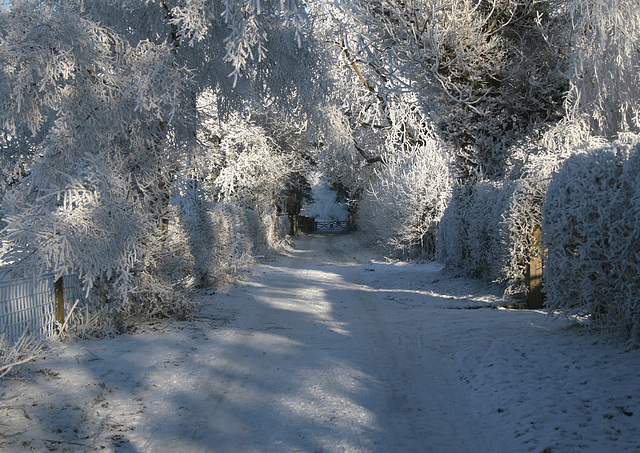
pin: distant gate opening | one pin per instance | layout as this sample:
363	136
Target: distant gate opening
331	226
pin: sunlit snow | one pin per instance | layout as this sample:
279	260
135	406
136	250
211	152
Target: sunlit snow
330	349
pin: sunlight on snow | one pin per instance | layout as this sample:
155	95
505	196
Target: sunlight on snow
312	299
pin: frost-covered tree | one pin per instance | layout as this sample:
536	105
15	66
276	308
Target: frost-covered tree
605	83
404	203
378	138
254	161
94	194
482	70
98	109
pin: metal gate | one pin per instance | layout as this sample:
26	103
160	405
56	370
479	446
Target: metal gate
331	226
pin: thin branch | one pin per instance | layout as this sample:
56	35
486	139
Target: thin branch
369	160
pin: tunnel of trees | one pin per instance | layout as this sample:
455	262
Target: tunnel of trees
153	146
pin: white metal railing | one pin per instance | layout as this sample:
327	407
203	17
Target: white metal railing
29	304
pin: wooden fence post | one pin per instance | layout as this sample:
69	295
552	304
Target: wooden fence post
59	298
535	298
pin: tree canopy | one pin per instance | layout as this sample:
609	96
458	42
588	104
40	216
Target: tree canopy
398	101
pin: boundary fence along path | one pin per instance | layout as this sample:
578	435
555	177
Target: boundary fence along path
29	304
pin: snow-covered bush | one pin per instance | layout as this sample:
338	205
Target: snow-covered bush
522	219
281	228
275	233
221	241
592	237
205	244
487	230
252	161
160	282
472	234
402	206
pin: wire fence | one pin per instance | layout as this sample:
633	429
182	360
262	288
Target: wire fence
29	305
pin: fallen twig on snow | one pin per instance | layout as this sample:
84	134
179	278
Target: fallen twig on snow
24	350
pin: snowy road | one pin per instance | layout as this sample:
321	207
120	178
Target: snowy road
318	362
326	350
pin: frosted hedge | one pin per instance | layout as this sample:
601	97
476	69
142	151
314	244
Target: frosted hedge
592	236
205	244
223	239
487	230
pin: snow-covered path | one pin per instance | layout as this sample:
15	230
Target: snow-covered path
326	350
317	363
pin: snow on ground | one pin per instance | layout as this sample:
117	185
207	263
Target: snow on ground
327	350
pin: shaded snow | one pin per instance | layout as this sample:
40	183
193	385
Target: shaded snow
328	350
